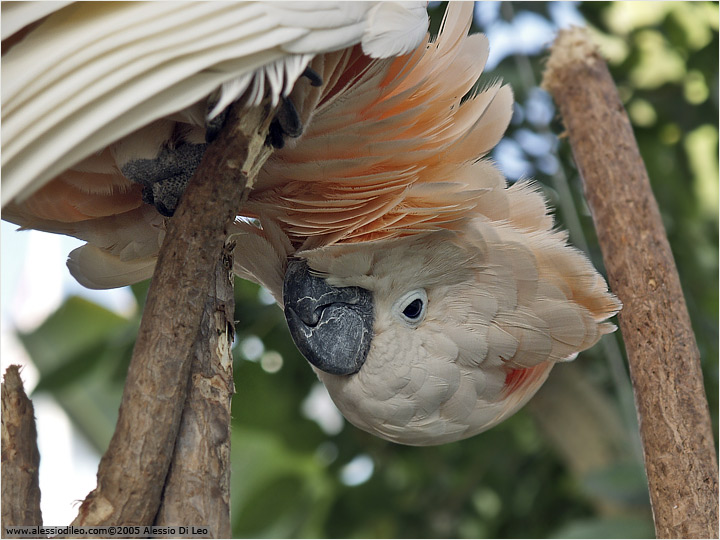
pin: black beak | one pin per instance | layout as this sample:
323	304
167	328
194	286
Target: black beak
332	326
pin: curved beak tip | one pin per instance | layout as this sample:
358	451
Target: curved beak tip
331	326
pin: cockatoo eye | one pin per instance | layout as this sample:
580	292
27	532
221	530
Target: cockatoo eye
414	309
411	307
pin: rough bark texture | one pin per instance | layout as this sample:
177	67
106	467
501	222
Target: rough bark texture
20	456
664	360
132	472
197	489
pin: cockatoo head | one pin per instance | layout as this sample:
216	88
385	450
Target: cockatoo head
432	338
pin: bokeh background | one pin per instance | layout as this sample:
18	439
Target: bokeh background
568	465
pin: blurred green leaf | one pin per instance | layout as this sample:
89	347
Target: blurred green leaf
78	350
71	338
621	483
620	527
140	291
277	492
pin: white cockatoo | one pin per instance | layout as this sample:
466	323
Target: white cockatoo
431	298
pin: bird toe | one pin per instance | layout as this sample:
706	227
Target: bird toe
165	177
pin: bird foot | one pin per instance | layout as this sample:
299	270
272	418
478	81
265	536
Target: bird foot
165	177
313	76
287	122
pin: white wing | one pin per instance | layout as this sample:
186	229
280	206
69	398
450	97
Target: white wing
18	15
91	73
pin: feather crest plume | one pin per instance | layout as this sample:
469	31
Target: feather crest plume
388	150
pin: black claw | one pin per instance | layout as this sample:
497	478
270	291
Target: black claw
289	119
275	136
147	195
286	123
165	211
149	198
313	76
216	124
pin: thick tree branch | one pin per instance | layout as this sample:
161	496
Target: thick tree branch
132	472
197	489
20	456
663	355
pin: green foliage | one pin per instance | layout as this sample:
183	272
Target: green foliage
621	527
290	477
621	482
81	352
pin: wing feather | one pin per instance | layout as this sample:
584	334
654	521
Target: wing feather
91	73
18	15
95	268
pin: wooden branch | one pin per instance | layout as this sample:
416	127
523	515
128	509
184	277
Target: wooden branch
197	489
20	456
664	360
132	472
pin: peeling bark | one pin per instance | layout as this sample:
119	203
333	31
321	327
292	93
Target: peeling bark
20	456
197	489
